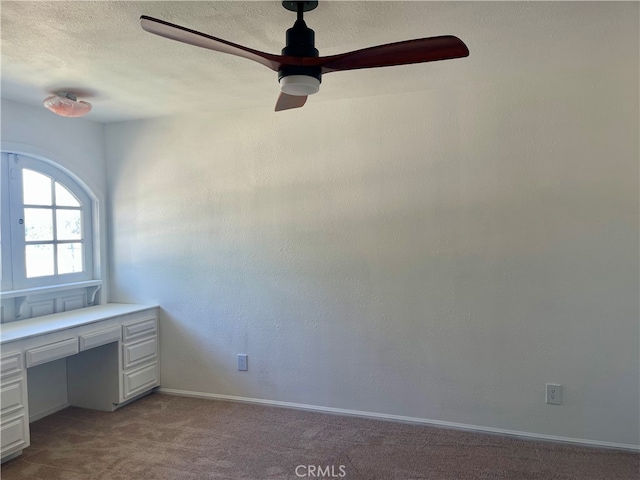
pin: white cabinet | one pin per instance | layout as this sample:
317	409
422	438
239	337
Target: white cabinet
52	351
14	424
10	364
111	355
140	379
102	337
14	433
139	356
139	352
12	396
142	328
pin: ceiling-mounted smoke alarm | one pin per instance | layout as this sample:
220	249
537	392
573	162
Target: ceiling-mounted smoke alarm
66	104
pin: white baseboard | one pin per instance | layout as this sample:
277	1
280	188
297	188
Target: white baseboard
47	412
400	418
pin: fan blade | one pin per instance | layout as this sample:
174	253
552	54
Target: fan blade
285	101
191	37
399	53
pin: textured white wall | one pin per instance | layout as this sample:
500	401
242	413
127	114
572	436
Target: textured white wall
440	254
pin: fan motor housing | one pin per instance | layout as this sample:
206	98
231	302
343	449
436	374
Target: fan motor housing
300	43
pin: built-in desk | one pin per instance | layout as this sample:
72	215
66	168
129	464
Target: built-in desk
111	356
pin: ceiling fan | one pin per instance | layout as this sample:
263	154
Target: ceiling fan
300	68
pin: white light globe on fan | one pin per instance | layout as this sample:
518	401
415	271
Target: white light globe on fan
299	85
66	104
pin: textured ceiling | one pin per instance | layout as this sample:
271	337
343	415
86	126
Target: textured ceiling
99	49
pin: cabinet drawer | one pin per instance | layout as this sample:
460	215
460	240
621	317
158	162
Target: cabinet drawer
14	435
139	352
140	380
10	365
11	397
96	339
53	351
138	329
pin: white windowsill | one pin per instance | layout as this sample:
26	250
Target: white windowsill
52	288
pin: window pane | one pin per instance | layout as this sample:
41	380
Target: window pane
68	225
36	188
65	198
39	260
69	257
38	224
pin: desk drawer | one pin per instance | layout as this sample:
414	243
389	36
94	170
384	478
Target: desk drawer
96	339
53	351
139	352
11	397
10	365
14	434
140	380
138	329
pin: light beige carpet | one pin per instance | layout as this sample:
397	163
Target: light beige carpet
179	438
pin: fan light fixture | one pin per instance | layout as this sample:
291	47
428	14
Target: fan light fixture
66	104
299	85
299	66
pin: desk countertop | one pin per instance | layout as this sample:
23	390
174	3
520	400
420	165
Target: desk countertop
21	329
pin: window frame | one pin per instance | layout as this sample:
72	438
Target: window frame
12	229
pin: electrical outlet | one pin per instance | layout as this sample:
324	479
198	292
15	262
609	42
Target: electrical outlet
243	366
554	394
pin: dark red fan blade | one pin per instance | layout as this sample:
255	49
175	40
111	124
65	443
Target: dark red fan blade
285	101
186	35
399	53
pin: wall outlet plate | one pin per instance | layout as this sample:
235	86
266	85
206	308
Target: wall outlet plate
554	393
243	365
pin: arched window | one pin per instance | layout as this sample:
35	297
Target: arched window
47	231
